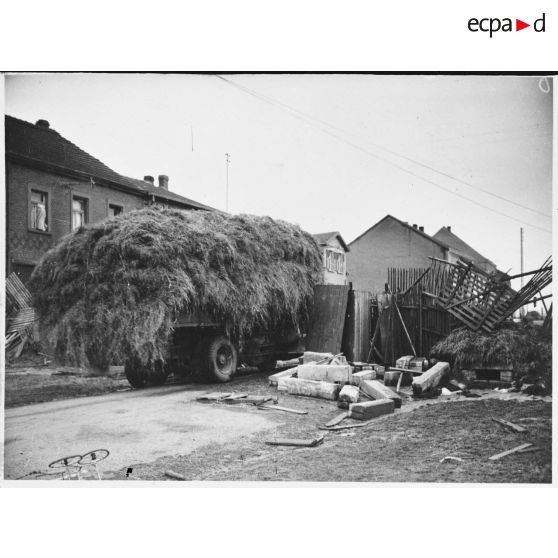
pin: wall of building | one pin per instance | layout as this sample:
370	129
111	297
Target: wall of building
336	274
390	244
26	246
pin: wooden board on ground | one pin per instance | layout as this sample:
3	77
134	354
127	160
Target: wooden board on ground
509	452
296	443
325	333
284	409
214	396
337	419
511	425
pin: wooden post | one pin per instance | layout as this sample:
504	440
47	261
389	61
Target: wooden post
420	320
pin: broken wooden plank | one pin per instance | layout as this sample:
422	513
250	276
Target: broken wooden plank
279	408
251	399
296	443
337	419
377	390
371	409
284	374
325	372
234	396
431	378
346	426
530	450
174	475
511	425
349	394
509	452
309	388
213	396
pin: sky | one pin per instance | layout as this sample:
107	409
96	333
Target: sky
330	152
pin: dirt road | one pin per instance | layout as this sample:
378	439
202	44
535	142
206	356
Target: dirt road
135	426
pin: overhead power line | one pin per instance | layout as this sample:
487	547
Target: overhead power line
310	120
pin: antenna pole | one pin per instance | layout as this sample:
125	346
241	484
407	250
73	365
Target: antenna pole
227	162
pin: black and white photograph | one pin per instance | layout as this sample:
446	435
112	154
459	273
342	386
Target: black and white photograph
278	277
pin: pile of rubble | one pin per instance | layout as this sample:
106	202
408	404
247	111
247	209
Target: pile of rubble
364	390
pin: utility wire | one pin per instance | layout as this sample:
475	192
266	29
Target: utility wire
310	121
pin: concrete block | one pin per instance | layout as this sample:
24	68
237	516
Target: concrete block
325	372
310	357
431	378
380	370
371	409
349	393
310	388
377	390
357	377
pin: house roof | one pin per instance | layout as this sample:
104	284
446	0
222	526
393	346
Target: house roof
461	247
26	142
406	225
324	238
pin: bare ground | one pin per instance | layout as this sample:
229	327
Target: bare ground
404	447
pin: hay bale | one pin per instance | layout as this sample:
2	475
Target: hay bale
111	291
525	349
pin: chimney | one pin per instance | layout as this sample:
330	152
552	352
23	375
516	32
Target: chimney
148	178
449	228
421	229
164	181
42	124
414	225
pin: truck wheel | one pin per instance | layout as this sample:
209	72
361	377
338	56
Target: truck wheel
136	373
219	359
158	375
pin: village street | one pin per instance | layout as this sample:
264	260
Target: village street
135	426
164	428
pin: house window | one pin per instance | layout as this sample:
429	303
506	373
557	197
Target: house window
334	261
114	210
38	210
79	213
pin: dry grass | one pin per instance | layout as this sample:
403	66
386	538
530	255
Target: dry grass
111	291
526	349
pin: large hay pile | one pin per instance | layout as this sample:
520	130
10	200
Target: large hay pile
526	349
111	290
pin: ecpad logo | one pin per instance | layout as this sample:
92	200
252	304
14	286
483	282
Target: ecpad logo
493	25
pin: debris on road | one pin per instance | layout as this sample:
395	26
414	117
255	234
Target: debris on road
450	458
377	390
509	452
337	419
349	394
431	378
297	443
371	409
311	388
511	425
279	408
173	475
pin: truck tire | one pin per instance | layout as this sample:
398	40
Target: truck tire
158	375
219	359
136	374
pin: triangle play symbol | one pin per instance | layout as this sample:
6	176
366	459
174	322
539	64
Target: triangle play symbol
519	25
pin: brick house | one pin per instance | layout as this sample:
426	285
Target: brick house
53	187
334	252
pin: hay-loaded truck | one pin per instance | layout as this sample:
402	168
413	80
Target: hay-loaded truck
185	292
201	347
